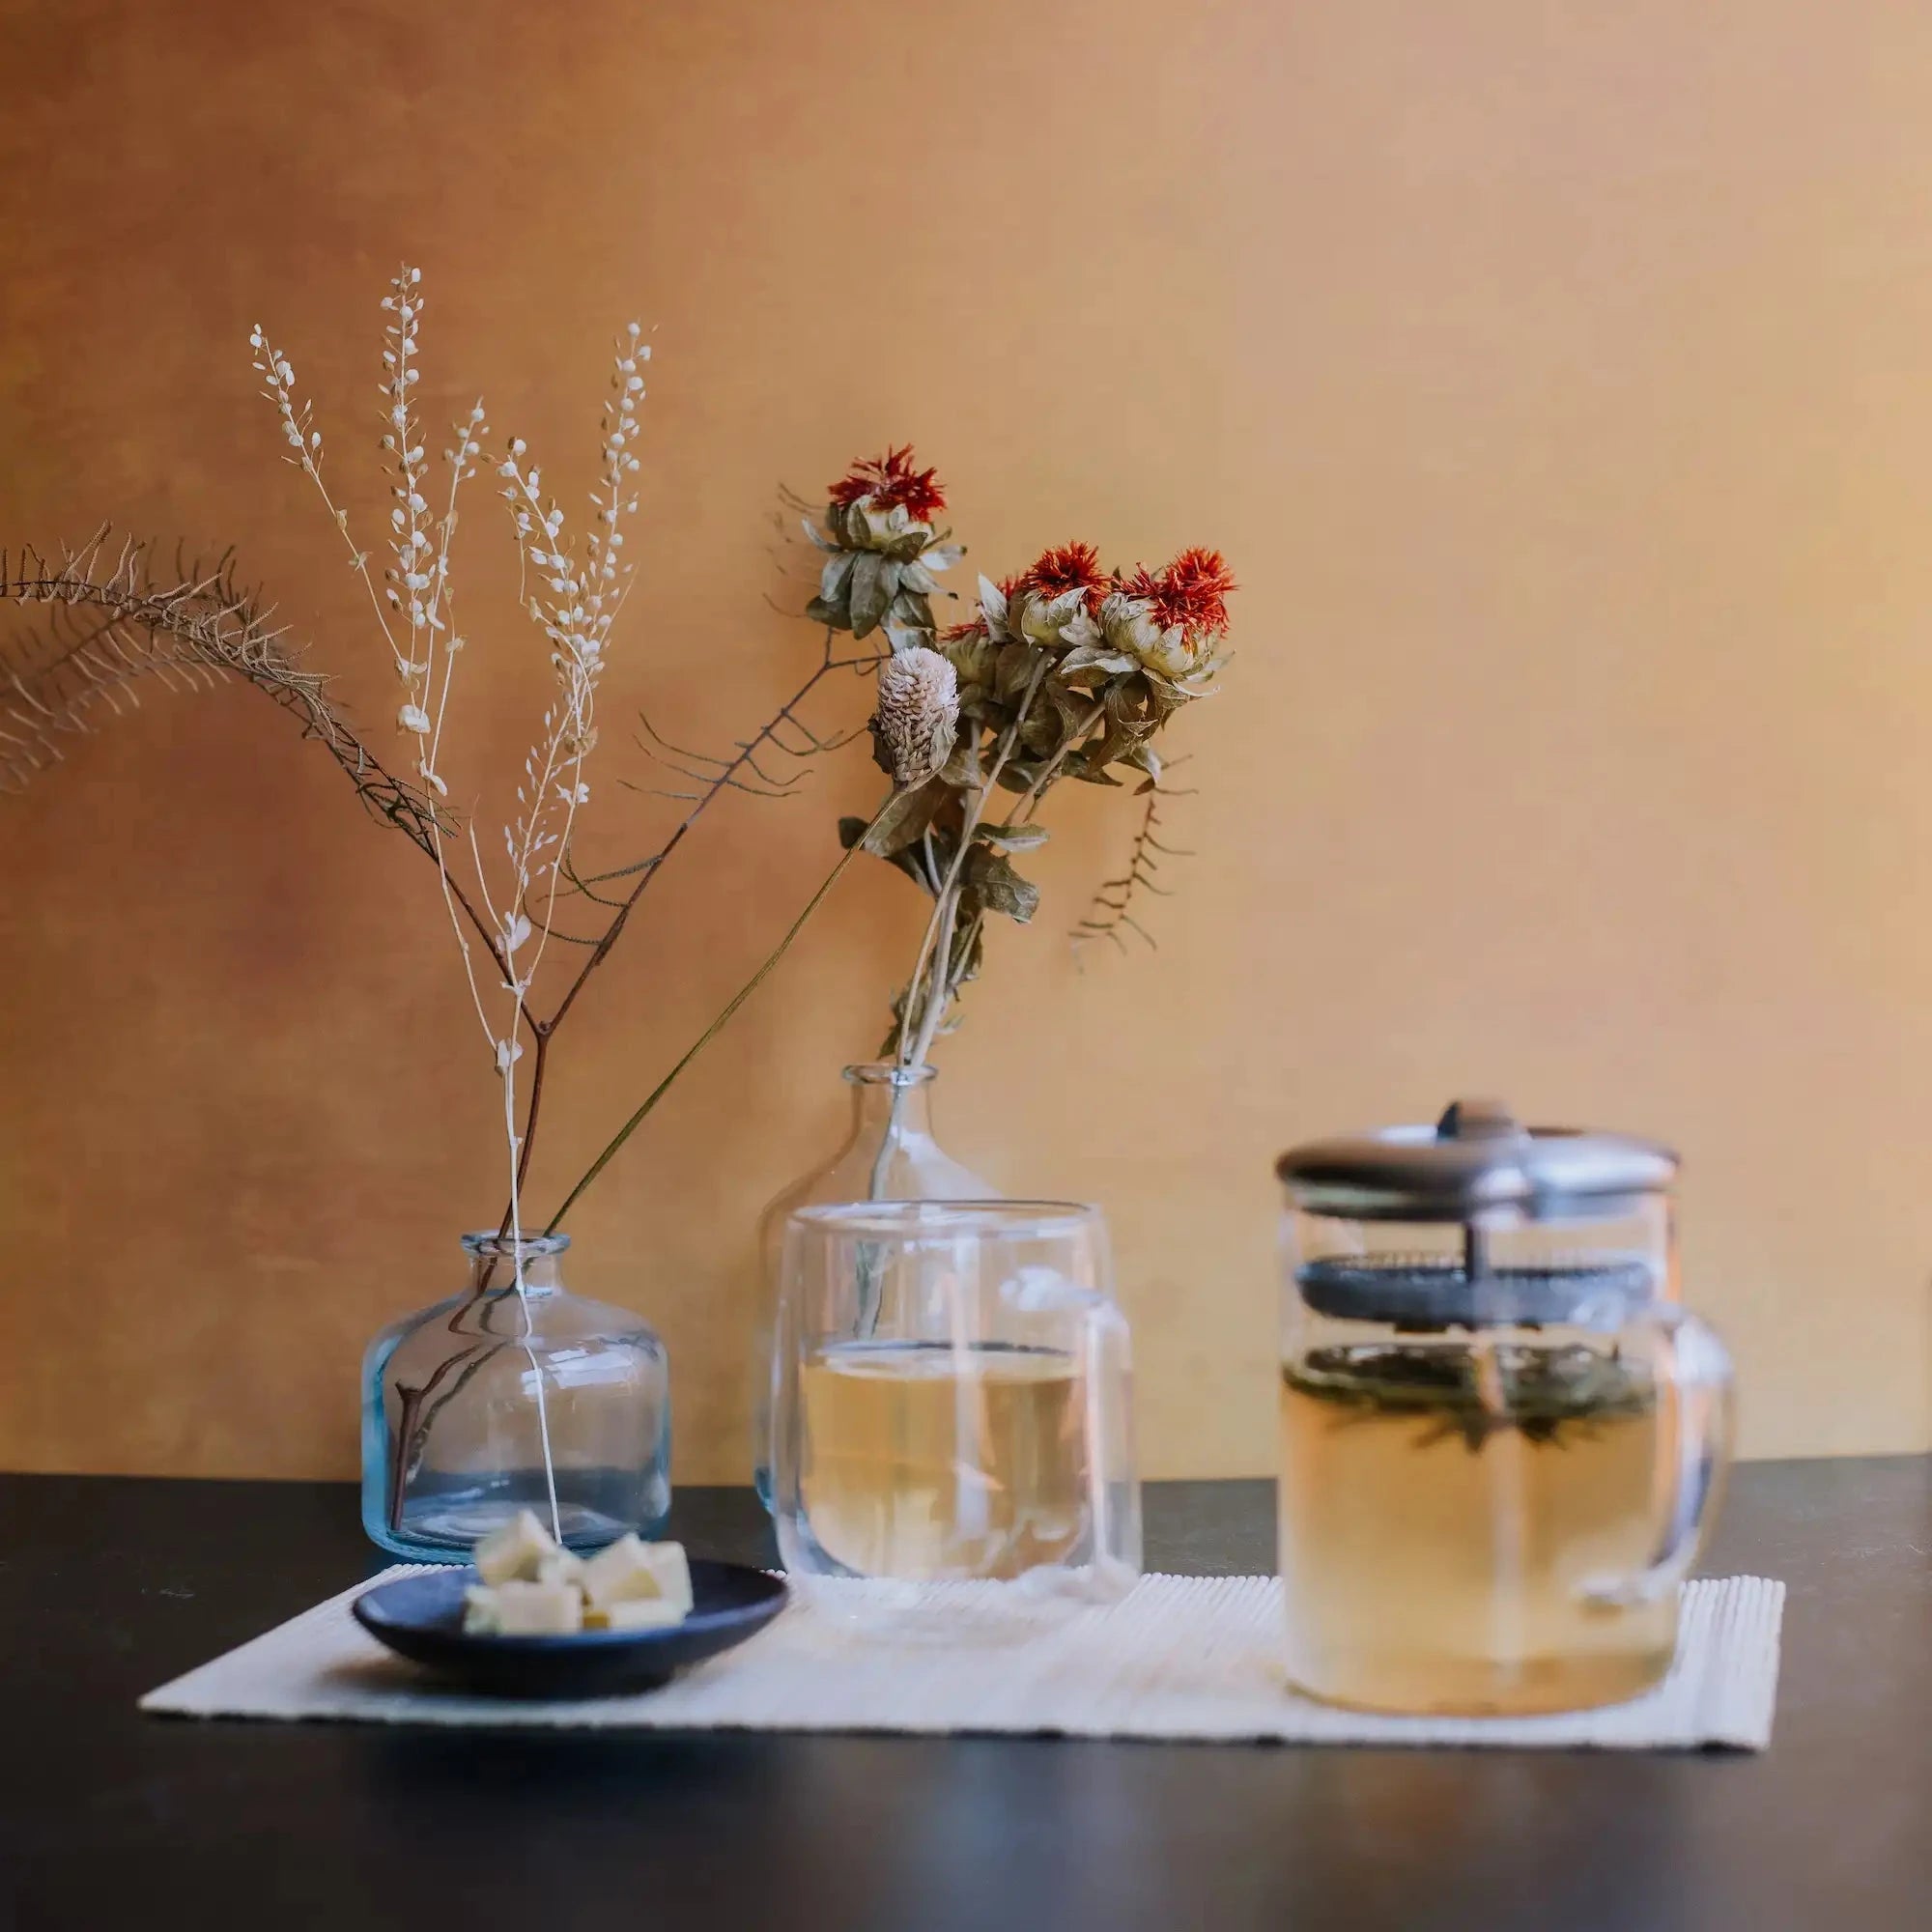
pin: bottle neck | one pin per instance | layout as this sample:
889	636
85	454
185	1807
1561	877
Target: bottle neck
494	1264
889	1106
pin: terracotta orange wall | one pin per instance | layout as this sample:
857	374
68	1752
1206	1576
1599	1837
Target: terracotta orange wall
1559	379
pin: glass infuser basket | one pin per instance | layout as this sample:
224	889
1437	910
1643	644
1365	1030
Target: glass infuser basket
1501	1443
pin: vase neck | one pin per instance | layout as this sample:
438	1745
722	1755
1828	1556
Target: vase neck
499	1265
889	1102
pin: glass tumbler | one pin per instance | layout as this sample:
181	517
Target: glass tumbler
951	1402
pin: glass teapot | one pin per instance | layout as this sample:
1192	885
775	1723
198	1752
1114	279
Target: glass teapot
1501	1443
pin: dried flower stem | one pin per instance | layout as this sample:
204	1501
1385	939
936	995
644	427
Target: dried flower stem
937	945
959	951
939	927
711	1032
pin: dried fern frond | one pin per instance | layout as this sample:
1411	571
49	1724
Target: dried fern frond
1110	911
112	620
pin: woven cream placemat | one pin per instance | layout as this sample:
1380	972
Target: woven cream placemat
1178	1658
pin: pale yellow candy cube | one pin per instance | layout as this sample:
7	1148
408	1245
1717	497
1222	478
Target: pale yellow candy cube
519	1608
513	1551
562	1565
633	1571
479	1611
632	1613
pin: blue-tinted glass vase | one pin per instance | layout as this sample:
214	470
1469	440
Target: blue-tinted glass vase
512	1394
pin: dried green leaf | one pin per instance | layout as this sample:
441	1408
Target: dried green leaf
1000	888
1014	837
832	579
1096	662
868	594
1013	670
905	817
906	860
962	769
910	609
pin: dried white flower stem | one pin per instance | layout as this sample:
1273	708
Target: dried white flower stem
576	616
305	440
575	619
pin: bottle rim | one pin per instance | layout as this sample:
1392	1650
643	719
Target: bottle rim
486	1243
888	1073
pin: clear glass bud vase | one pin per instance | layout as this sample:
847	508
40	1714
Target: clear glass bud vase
889	1154
505	1398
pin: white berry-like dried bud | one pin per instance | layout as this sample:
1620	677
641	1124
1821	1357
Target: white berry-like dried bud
917	719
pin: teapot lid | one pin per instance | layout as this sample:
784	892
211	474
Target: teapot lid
1476	1157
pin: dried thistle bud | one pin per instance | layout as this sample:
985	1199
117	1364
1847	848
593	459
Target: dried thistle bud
918	718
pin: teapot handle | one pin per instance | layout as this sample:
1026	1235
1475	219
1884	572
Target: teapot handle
1692	1364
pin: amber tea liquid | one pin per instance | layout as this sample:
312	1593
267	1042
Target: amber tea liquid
928	1460
1434	1549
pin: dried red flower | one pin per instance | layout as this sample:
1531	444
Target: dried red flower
890	480
1074	566
1191	591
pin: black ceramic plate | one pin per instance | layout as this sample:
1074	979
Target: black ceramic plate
421	1618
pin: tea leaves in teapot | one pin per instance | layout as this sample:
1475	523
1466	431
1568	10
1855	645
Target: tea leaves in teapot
1474	1391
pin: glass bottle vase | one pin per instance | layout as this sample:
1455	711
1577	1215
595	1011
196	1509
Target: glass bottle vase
508	1397
889	1155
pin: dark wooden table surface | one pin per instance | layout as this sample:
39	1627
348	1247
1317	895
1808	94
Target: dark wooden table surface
111	1820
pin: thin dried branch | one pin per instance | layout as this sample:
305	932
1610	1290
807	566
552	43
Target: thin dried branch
111	621
718	775
703	768
645	870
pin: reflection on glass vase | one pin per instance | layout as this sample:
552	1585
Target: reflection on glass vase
494	1401
889	1155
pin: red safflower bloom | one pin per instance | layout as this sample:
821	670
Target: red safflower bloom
1074	566
1191	591
890	480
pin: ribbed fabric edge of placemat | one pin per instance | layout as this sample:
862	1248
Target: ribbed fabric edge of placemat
1180	1657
